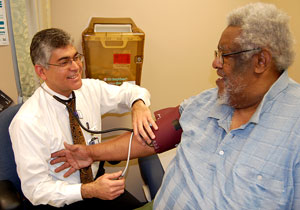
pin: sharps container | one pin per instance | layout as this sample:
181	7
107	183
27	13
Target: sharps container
113	50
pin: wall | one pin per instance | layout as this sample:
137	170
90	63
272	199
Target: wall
180	39
292	8
7	78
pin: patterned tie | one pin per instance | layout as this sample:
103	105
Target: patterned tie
86	174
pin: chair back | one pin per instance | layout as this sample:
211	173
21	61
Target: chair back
152	173
7	160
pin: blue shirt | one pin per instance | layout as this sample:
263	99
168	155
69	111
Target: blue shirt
256	166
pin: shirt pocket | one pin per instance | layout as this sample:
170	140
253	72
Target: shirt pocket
257	187
92	138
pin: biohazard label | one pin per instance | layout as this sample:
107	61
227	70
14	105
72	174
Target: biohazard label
121	58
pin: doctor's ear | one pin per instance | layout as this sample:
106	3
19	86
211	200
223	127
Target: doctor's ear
40	71
263	62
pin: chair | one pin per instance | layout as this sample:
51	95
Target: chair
152	173
151	168
11	195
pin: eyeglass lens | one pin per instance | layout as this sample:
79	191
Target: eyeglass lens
77	59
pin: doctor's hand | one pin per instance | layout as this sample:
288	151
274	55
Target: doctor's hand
106	187
73	157
141	121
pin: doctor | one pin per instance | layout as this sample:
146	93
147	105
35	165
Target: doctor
42	125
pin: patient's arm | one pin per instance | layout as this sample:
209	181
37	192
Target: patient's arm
79	156
166	137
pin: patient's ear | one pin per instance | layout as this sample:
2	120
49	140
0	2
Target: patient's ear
40	71
262	61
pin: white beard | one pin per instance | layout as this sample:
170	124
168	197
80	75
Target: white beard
224	98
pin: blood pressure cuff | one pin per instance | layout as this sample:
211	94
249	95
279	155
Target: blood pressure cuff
169	130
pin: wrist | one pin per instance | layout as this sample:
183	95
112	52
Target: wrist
90	152
137	101
86	191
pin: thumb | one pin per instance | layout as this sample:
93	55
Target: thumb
68	146
115	175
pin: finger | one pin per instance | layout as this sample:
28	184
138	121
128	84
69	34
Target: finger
116	179
58	153
115	175
116	188
153	123
115	195
137	135
135	129
145	136
139	138
149	130
119	192
62	167
69	172
58	160
69	146
142	132
116	185
145	139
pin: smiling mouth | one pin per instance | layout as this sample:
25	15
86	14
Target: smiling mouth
221	76
72	77
219	79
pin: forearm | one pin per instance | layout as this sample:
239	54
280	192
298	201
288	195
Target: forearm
117	149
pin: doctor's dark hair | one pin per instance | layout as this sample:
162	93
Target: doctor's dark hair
264	26
44	42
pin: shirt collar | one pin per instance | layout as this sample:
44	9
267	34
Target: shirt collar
221	111
50	92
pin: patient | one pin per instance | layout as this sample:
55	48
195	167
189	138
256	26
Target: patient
240	144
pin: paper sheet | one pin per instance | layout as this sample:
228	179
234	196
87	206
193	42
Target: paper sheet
3	25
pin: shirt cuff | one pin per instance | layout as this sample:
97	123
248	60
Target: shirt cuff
74	193
139	99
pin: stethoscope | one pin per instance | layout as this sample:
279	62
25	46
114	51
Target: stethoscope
75	115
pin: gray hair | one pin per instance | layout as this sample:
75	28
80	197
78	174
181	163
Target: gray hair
264	26
44	42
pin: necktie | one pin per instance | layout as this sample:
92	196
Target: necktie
86	174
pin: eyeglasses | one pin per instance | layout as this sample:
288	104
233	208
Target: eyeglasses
78	58
220	55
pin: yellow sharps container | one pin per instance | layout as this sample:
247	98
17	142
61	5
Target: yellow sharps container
113	50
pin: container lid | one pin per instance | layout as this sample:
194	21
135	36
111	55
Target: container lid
112	27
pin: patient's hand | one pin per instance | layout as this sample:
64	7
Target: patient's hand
74	157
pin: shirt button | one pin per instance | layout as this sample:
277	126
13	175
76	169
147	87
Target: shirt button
221	152
259	177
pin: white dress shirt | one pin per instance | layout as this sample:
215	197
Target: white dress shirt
42	125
